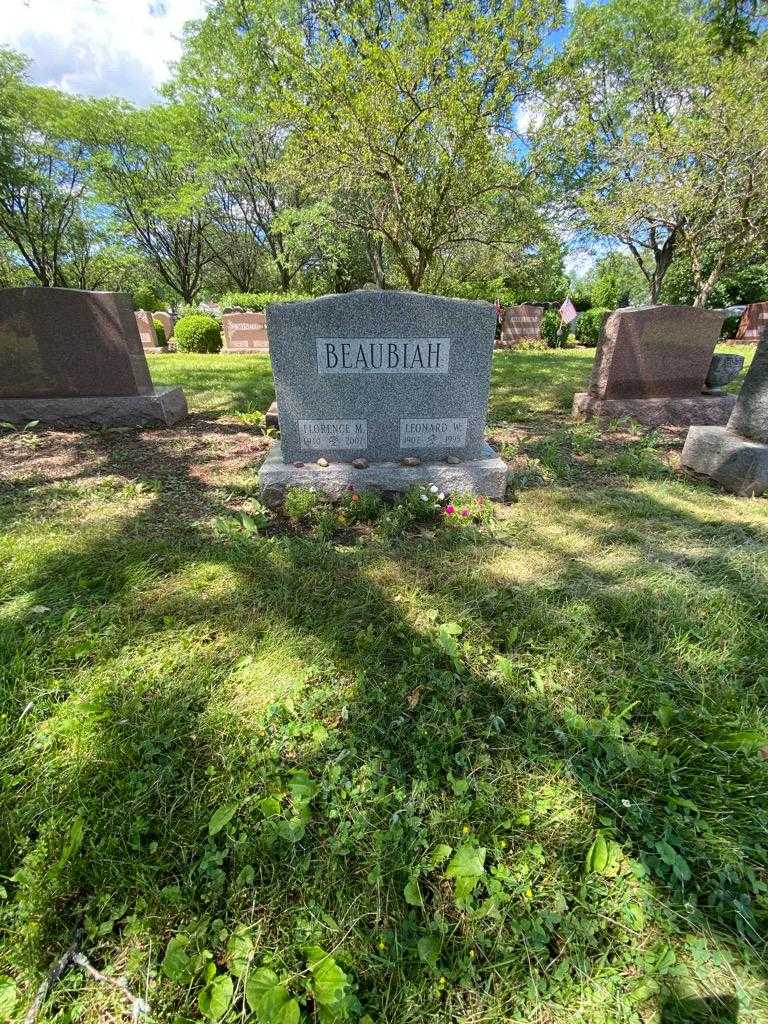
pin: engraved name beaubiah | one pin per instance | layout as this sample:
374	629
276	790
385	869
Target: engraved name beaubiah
383	355
432	433
316	435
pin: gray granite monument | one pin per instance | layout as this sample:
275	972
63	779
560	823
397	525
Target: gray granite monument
736	455
382	390
70	356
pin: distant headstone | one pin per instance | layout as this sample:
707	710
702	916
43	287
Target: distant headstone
651	364
381	377
520	323
167	321
753	322
75	356
245	332
736	455
147	333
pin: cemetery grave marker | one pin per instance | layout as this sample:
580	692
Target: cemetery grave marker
396	380
520	323
69	356
651	365
245	332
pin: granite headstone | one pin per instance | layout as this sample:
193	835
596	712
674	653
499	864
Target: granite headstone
753	322
651	364
68	355
147	333
737	455
520	323
245	332
167	321
383	377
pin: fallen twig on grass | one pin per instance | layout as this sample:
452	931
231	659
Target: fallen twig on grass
72	958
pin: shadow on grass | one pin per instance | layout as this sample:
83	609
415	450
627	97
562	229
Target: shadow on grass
581	700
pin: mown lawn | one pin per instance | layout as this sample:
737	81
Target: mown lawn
252	746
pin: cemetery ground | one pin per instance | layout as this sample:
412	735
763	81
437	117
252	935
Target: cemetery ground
510	773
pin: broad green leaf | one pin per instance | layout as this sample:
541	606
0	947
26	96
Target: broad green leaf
429	947
221	817
177	963
467	867
9	995
215	998
597	855
440	854
328	980
268	997
74	840
292	829
239	951
452	628
411	893
302	788
269	806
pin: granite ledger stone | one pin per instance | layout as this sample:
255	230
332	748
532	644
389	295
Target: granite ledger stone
651	364
384	376
75	356
736	455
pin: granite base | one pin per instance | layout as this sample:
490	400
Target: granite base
712	410
487	475
163	405
735	462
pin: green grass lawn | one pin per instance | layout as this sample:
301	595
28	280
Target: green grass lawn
510	776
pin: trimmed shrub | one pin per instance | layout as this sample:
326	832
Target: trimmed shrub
550	327
159	333
198	332
257	302
588	324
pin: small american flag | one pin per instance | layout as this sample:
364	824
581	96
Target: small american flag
568	312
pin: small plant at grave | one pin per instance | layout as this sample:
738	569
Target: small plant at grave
550	328
361	506
300	502
7	425
162	341
419	505
198	332
248	523
468	510
254	417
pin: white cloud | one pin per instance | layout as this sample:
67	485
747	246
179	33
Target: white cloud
99	47
578	262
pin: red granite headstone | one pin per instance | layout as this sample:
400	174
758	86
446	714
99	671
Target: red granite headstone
520	323
146	326
59	342
245	332
753	322
167	321
654	352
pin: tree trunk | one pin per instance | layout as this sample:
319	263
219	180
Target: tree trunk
375	248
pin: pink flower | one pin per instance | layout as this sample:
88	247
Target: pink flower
350	488
465	512
449	510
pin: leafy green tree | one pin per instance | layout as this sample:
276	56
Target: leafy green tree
617	281
143	169
404	112
644	136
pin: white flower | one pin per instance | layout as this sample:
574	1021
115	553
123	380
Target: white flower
441	496
625	803
424	497
433	489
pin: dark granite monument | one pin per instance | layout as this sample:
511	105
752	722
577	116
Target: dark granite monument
71	356
382	390
736	455
651	365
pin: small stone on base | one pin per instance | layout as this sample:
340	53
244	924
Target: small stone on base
298	465
360	463
411	460
453	460
323	463
272	416
735	462
486	475
712	410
